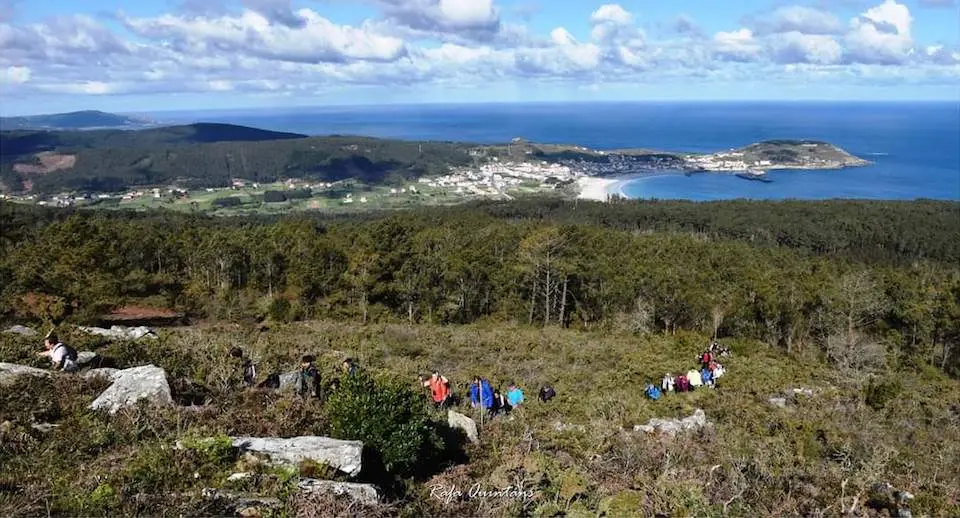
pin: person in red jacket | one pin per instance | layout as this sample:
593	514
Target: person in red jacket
439	388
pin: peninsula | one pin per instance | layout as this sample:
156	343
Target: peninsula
226	167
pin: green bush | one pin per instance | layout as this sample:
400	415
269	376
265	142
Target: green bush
387	416
877	395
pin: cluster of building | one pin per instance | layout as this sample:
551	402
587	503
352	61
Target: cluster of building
729	161
494	178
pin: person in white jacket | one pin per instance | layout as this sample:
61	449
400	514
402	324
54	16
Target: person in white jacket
62	356
667	384
694	378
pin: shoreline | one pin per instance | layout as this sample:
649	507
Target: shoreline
597	189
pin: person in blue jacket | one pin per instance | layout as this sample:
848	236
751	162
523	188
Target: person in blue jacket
481	393
652	391
707	377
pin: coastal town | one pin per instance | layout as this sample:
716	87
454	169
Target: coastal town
586	173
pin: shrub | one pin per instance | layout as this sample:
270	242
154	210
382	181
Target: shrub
877	395
387	416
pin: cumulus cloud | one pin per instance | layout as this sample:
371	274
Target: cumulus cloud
796	18
466	19
796	47
15	75
737	45
264	47
881	35
317	40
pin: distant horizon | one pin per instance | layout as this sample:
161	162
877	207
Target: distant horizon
362	106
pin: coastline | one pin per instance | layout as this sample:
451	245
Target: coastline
597	189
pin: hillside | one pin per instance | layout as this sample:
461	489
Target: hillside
842	377
81	120
206	155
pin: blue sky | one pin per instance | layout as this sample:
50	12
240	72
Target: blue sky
154	55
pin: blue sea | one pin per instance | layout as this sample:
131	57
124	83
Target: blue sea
914	147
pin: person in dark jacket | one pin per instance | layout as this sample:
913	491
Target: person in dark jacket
546	393
308	384
248	369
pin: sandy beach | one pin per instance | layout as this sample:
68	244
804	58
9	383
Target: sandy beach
597	189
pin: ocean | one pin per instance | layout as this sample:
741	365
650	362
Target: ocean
914	147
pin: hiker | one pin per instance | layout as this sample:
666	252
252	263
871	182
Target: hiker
500	404
682	383
546	393
248	369
308	383
652	391
668	383
514	395
349	366
481	393
705	358
62	356
717	370
707	377
694	379
439	388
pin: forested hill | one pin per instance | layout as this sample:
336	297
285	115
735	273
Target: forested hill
206	155
87	119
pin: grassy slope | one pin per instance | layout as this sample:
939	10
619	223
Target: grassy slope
756	460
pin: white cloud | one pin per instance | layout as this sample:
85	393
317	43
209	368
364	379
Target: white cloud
881	35
737	45
796	47
611	13
15	75
266	48
317	40
796	18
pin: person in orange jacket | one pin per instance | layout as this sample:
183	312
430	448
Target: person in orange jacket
439	388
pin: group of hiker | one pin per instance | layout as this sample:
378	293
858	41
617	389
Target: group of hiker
482	394
706	375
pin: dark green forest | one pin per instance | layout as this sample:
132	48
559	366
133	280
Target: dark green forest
210	155
854	280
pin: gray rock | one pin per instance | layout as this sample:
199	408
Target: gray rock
242	504
672	427
288	381
802	392
778	402
85	358
343	455
20	330
10	372
105	372
468	425
238	477
132	385
362	493
563	427
121	332
44	427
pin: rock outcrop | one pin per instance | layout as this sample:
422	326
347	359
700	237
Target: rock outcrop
130	386
672	427
20	330
342	455
362	493
121	332
105	372
10	372
462	422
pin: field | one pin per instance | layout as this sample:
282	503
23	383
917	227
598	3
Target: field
819	456
377	197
